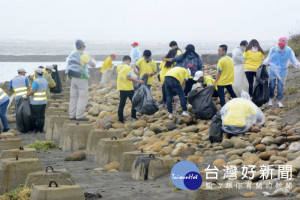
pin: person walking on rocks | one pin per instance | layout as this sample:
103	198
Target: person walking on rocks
125	86
175	81
206	81
4	101
135	53
189	60
278	61
252	57
146	66
47	76
174	46
38	100
77	70
19	85
225	75
106	69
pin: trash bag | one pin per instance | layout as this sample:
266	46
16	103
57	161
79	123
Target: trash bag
56	78
106	76
215	129
143	101
240	80
239	114
261	87
202	104
23	116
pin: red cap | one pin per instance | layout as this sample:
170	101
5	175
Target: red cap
282	41
135	44
113	55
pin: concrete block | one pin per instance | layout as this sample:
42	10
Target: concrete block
111	149
55	125
96	135
128	159
10	143
75	137
140	167
13	173
20	152
57	192
61	176
54	113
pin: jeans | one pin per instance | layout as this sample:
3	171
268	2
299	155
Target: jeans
280	87
3	108
38	116
173	88
221	93
250	76
164	99
149	87
188	86
123	97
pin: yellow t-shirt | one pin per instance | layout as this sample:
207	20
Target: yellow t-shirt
147	68
237	111
226	67
178	52
209	81
253	60
123	83
163	71
107	64
180	73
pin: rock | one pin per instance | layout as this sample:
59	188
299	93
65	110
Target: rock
253	136
295	163
280	192
190	129
181	150
77	156
94	111
294	147
112	165
249	149
170	126
227	143
249	194
251	160
296	190
139	124
112	171
260	147
292	156
195	159
235	162
298	196
268	140
156	128
293	138
235	152
266	155
219	163
279	140
282	147
255	129
240	144
274	158
118	125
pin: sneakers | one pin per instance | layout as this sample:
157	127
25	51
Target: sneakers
72	118
270	102
185	114
280	105
170	116
83	119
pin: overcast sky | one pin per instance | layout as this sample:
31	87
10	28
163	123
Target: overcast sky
153	20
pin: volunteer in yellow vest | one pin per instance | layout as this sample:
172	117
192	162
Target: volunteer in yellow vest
225	75
19	84
78	63
107	64
239	114
206	81
38	100
47	76
252	57
147	66
165	66
125	86
4	101
174	46
175	81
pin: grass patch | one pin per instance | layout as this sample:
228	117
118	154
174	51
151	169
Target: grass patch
294	43
43	146
20	193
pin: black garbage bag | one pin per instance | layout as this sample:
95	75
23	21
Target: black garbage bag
215	129
261	87
23	116
56	78
202	104
143	101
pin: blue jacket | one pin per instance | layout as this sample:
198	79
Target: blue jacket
189	59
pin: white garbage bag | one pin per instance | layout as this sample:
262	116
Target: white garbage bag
240	80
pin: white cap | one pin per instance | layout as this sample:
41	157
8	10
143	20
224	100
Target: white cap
39	71
21	70
198	75
49	67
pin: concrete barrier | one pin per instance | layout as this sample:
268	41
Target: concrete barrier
13	173
111	149
128	159
96	135
53	113
61	176
55	125
10	143
20	152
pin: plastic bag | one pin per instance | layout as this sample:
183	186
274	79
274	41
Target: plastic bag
240	80
143	101
56	78
215	131
23	116
261	87
202	104
106	76
239	114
